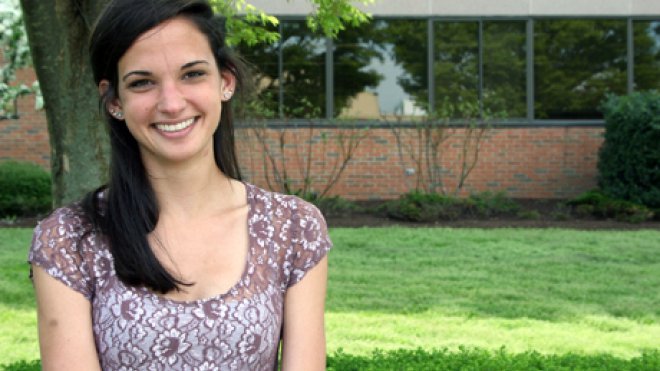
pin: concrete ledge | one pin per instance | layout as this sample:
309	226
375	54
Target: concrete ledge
473	8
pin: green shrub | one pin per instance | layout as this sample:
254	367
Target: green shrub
418	206
628	161
488	204
597	204
333	206
477	360
25	189
464	359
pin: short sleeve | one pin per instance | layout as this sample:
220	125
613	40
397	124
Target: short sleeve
310	241
57	247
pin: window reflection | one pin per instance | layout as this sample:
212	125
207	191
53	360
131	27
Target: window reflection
505	69
263	63
456	67
377	74
576	62
647	54
303	76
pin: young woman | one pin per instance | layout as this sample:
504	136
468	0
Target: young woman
176	263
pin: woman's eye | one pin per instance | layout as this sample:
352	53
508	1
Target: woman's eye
193	74
139	83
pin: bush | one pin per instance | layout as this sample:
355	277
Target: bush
487	204
628	160
476	359
418	206
596	203
333	206
25	189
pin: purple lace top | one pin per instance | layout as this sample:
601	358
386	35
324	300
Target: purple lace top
238	330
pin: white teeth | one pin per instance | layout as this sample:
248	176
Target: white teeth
175	127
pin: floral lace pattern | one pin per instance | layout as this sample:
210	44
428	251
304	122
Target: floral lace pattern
238	330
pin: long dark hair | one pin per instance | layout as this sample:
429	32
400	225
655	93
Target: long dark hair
126	210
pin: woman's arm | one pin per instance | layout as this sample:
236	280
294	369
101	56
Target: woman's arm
303	340
66	339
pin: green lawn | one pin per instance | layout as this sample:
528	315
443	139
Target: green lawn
550	291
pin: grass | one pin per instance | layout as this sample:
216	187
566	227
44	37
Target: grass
552	291
547	291
18	318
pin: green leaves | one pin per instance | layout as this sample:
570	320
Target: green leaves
331	16
247	24
16	53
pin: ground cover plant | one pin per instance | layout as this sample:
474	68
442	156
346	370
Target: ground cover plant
451	298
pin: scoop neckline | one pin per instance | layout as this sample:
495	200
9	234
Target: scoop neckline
246	268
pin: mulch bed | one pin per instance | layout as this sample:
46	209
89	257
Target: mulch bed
545	209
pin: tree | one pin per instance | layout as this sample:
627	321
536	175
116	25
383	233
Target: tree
58	31
14	54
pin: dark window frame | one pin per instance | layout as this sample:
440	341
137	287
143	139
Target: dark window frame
529	121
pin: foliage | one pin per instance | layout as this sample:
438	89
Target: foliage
24	189
23	366
464	359
628	160
576	62
479	359
598	204
331	206
487	204
15	55
419	206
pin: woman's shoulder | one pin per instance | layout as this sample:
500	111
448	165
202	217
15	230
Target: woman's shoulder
282	204
70	217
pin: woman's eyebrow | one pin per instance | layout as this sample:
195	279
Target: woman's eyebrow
193	63
139	73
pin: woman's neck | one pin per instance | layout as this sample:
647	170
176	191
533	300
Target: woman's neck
193	190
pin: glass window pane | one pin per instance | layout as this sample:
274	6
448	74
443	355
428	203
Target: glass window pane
262	60
456	67
505	71
303	77
576	62
647	54
377	74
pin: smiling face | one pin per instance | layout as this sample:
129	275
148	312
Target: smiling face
170	92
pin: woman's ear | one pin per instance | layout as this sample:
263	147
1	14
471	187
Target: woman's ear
113	105
228	85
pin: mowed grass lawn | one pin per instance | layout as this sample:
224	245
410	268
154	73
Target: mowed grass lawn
552	291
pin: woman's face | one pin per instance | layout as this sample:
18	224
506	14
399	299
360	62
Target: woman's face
170	92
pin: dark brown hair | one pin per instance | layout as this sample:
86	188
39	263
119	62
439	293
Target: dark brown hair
126	210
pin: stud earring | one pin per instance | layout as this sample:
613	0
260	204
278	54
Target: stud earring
119	115
228	94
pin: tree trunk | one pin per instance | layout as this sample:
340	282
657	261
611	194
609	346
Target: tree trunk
58	31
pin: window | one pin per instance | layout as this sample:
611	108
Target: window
504	69
646	38
377	75
456	67
303	71
576	62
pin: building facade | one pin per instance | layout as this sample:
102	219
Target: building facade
452	96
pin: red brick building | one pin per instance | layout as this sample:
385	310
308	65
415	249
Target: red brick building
520	59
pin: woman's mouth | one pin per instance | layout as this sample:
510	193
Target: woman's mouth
174	127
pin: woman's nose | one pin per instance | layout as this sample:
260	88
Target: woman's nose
172	99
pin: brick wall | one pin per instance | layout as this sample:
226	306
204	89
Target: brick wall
25	138
543	162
